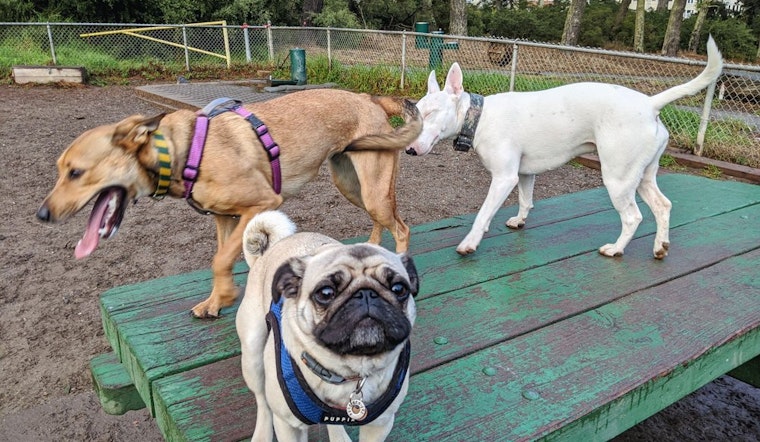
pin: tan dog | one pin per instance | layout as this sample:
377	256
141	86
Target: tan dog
118	163
337	318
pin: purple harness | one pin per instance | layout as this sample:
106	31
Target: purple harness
216	107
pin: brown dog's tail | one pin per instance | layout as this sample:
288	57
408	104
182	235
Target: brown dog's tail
401	137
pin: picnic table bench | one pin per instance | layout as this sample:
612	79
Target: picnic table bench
535	336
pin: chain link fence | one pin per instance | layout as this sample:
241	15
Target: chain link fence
721	123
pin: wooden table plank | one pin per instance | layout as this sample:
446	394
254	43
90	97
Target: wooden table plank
636	355
679	188
485	314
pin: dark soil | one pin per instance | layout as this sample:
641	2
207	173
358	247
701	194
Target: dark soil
50	322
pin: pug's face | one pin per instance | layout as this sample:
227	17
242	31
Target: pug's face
353	300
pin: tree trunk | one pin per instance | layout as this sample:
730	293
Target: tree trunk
672	41
458	18
310	8
638	34
572	29
426	12
662	6
620	17
703	7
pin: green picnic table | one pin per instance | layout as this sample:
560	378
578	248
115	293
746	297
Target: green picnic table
535	336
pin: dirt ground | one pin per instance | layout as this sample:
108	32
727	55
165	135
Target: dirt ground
50	324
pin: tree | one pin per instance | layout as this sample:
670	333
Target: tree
385	14
620	16
638	34
314	7
702	8
335	14
672	41
571	31
458	17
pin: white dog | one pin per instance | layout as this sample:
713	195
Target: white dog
521	134
324	331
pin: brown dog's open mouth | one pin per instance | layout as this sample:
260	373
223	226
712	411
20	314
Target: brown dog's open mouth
104	221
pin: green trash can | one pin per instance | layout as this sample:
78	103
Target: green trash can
298	66
421	41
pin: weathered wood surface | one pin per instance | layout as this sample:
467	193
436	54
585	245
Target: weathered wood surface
575	345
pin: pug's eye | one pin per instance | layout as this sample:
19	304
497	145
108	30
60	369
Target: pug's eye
400	291
325	295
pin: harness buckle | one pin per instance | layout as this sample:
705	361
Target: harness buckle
462	143
190	172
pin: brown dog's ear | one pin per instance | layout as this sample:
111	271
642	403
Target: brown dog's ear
287	279
411	270
134	132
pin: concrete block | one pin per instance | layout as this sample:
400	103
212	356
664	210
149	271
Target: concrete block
48	74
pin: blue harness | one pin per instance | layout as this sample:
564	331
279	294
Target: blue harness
304	404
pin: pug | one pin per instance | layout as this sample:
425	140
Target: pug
324	330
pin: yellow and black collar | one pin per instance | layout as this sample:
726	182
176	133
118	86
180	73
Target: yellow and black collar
164	166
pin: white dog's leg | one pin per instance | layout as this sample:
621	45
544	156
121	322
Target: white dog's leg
525	195
624	201
660	206
501	186
337	433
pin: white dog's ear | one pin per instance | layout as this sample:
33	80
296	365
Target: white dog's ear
432	84
287	279
454	80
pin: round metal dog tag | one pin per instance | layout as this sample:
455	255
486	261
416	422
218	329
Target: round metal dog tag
356	409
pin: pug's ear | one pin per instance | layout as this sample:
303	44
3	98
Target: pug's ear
411	270
287	279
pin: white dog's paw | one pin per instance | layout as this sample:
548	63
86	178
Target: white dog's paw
516	222
662	251
465	247
610	250
466	250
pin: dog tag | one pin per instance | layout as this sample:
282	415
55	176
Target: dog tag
355	408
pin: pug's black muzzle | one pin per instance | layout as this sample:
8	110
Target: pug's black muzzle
365	325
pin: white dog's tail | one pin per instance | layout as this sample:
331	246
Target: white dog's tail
262	231
709	74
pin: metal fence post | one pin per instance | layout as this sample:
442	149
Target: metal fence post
513	69
270	44
226	44
247	41
52	47
403	58
187	52
705	119
329	49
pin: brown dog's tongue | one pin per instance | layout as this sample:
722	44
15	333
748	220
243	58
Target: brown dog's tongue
91	238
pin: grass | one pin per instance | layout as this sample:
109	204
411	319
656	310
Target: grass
712	171
668	162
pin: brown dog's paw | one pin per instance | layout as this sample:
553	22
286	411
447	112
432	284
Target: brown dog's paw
205	310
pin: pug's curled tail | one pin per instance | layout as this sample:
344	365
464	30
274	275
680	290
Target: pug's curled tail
262	231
